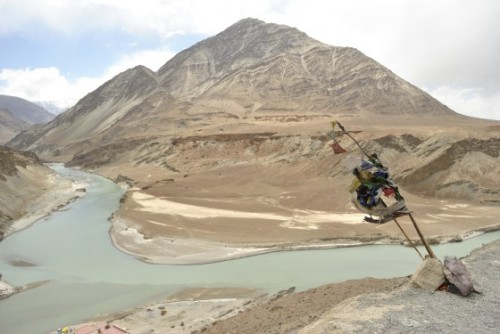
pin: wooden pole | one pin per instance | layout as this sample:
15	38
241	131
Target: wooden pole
427	247
354	140
409	240
404	233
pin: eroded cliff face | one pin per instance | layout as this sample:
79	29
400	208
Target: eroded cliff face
23	180
447	165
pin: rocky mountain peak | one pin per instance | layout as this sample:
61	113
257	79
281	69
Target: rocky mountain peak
252	34
250	72
135	81
246	23
139	82
246	44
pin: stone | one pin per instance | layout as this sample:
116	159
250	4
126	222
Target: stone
458	275
429	276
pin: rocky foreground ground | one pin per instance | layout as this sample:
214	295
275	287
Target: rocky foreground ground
409	310
395	308
358	306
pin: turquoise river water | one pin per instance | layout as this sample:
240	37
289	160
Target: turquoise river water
87	275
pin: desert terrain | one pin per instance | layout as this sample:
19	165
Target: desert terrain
299	197
225	152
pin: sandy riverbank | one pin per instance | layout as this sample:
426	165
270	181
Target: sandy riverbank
6	289
195	310
193	230
58	192
182	312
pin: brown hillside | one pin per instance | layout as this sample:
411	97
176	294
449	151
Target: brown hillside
238	122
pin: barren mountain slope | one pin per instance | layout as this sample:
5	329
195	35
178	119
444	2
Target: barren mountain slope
238	122
10	126
17	114
274	68
251	71
90	120
25	110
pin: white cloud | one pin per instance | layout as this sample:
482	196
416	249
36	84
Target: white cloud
152	59
433	44
165	17
49	84
474	101
44	84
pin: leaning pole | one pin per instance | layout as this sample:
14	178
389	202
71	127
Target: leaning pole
428	248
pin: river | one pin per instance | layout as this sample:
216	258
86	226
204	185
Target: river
87	275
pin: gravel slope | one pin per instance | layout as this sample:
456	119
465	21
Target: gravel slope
410	310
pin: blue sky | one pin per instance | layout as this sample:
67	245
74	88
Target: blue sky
60	50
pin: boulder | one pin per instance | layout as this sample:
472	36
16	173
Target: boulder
429	276
458	275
